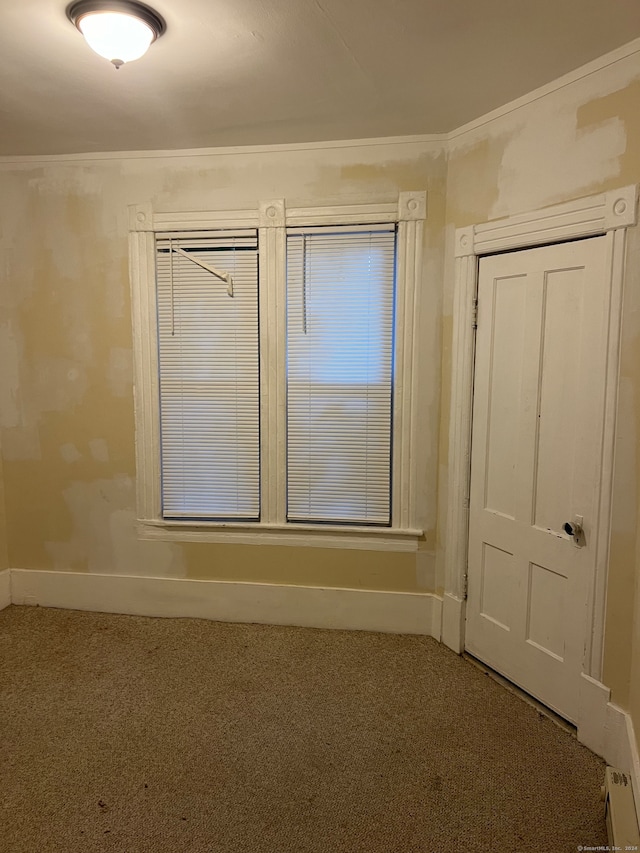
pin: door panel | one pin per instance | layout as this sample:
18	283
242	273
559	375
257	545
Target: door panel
537	433
545	610
505	379
498	585
562	327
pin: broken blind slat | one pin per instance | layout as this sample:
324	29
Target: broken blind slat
340	314
209	380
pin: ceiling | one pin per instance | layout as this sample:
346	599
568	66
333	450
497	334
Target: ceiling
253	72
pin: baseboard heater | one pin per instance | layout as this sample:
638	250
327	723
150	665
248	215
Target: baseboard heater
620	811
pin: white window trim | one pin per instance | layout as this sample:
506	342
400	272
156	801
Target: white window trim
272	218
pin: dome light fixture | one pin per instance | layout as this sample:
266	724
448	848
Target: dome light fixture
119	30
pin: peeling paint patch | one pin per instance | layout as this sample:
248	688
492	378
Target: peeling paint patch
390	176
99	449
67	178
472	188
104	538
70	452
621	105
549	161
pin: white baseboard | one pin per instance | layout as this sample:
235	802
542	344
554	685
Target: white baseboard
228	601
5	588
634	763
608	731
436	618
603	725
598	728
453	615
624	754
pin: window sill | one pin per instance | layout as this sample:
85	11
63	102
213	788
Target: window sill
300	535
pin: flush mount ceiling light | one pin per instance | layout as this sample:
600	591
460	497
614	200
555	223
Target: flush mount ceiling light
119	30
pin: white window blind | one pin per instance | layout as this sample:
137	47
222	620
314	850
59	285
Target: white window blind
340	305
209	376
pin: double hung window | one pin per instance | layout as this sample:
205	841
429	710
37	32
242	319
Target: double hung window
274	371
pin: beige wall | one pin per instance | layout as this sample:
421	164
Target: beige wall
634	692
581	139
4	556
66	398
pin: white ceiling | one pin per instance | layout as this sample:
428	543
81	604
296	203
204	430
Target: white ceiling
248	72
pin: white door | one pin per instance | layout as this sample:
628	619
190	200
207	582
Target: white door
536	455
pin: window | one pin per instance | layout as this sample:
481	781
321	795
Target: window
208	370
275	373
340	297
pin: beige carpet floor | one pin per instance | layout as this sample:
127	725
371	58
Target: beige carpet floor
130	735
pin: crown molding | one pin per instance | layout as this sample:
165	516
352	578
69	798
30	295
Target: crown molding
435	139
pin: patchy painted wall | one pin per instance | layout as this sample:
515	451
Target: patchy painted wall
66	397
66	407
634	693
582	138
4	555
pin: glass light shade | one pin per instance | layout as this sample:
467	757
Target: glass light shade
116	36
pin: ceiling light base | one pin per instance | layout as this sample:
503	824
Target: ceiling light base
125	15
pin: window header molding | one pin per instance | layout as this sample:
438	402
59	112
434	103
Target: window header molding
273	213
570	220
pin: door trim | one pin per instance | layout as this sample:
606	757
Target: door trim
609	213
